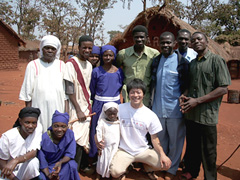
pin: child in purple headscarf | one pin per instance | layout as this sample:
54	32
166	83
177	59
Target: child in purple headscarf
58	149
94	57
106	84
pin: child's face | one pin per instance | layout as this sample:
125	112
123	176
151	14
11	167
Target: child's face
111	114
93	59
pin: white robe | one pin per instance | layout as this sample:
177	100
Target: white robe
80	129
109	131
44	85
13	145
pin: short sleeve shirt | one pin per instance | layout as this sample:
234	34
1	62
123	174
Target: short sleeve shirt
207	74
135	66
134	125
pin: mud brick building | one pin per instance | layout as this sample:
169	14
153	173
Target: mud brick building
9	44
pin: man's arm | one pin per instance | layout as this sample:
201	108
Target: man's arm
7	167
66	107
70	91
193	102
28	103
81	116
164	160
119	58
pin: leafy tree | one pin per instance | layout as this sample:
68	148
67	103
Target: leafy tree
56	16
93	16
113	33
154	2
177	7
6	12
228	16
23	13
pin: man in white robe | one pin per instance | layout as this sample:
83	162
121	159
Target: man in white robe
78	77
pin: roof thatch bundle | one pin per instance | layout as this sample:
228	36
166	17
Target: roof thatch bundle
235	52
159	20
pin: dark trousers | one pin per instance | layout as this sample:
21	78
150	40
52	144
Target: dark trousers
201	148
81	158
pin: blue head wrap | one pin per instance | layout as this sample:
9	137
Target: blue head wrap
108	47
96	50
60	117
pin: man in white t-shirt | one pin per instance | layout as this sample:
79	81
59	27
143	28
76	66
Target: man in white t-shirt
136	120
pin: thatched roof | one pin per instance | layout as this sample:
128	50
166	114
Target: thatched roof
12	32
235	52
158	20
31	46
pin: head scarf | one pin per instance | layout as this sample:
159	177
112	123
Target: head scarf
96	50
108	47
29	112
105	48
107	106
60	117
50	40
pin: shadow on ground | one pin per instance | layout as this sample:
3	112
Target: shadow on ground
233	174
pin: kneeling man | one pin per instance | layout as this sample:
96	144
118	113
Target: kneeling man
136	120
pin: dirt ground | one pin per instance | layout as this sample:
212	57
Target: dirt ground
228	127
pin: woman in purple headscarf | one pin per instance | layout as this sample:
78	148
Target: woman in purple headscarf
94	57
58	149
105	86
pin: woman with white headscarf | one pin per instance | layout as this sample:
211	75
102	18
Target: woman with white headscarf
107	137
43	85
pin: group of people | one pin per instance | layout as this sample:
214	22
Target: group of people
75	118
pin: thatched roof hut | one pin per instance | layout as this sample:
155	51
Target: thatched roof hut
31	46
158	20
30	51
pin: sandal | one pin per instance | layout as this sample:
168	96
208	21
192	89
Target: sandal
152	175
185	176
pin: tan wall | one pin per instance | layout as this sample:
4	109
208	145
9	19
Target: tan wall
26	56
9	56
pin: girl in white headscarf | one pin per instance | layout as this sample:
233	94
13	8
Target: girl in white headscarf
43	85
107	137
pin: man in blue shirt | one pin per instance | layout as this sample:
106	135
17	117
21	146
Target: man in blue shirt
169	79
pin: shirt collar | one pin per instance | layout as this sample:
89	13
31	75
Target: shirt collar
205	56
145	51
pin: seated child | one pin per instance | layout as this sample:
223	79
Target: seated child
58	148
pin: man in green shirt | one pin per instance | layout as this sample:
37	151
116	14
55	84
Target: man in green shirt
136	61
209	78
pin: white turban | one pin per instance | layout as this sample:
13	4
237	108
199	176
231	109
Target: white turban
107	106
50	40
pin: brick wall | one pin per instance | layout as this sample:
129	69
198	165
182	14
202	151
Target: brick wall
9	56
